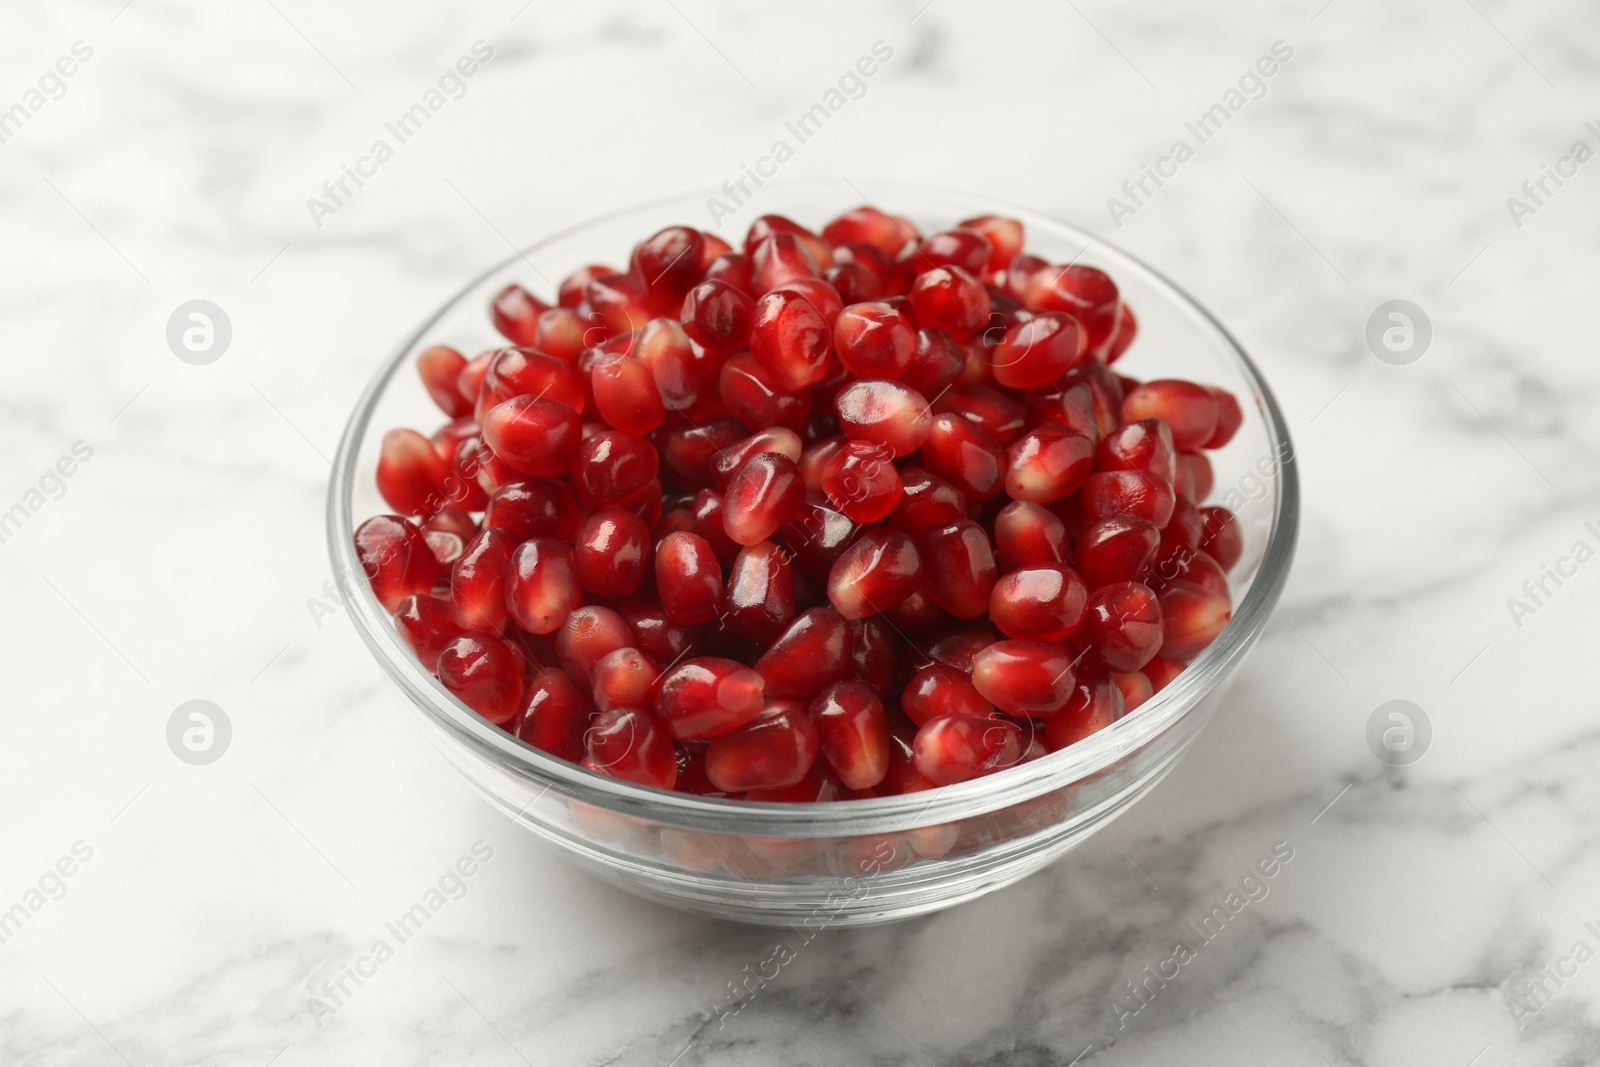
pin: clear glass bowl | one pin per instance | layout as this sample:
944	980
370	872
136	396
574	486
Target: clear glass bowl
862	861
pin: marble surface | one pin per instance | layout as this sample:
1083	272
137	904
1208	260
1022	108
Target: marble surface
183	558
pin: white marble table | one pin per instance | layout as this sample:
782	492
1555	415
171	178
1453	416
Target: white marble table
182	558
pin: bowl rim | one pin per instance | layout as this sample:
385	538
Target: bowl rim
1097	752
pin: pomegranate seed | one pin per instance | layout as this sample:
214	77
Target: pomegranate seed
960	247
733	268
1196	567
812	654
959	567
1096	703
657	634
1105	392
1026	534
814	460
1145	445
950	299
853	732
1118	549
1043	602
989	410
926	502
824	297
708	524
1127	329
773	750
522	371
689	578
1047	463
478	579
866	256
1190	410
1194	479
625	394
411	476
1037	351
470	384
955	648
1111	493
669	262
768	225
611	465
689	450
534	434
1135	688
854	282
559	334
861	481
484	673
868	225
537	507
542	588
903	776
791	339
756	400
684	376
879	570
440	368
1191	618
778	439
1162	672
781	258
872	652
874	341
1229	419
963	455
919	614
619	302
1071	406
427	624
758	599
1122	623
570	293
629	744
555	715
886	411
954	748
941	690
1221	538
515	313
1032	678
936	364
763	494
818	536
717	316
708	696
396	559
611	553
587	635
1086	293
1004	236
625	678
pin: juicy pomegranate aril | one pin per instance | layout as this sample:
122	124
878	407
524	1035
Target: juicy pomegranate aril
807	516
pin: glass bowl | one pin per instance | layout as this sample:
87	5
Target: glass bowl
851	862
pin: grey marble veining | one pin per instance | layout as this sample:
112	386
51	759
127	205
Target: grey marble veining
1430	915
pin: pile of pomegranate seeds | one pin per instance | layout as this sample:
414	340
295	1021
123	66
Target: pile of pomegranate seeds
821	517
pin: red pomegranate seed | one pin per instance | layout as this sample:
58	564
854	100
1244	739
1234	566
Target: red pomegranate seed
1071	406
814	460
470	384
536	507
478	579
1047	463
758	401
689	450
874	341
879	570
941	690
778	439
781	258
1145	445
1191	618
919	615
560	334
625	678
542	587
758	599
1004	236
619	302
812	654
534	434
1043	602
954	748
872	652
689	578
625	394
1026	534
440	368
886	411
708	524
411	476
958	567
1037	351
522	371
1135	688
1194	478
964	456
1127	329
570	293
768	225
1229	419
1086	293
960	247
629	744
926	502
447	546
1190	410
903	776
854	282
955	648
708	696
1032	678
657	635
485	674
996	414
1199	568
427	624
868	225
861	481
824	297
936	364
733	268
818	536
1162	672
866	256
790	338
950	299
1118	549
1096	703
853	732
669	262
1221	537
717	316
396	559
1111	493
773	750
555	714
589	633
611	465
684	376
763	494
1122	623
515	313
611	553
